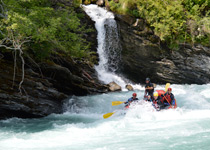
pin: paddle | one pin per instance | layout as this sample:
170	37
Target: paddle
167	86
115	103
166	89
108	115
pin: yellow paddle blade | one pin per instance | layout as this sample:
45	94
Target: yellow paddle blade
114	103
108	115
167	86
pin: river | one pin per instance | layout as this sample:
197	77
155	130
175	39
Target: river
82	126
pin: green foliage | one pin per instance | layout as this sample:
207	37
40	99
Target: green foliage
86	2
48	28
174	21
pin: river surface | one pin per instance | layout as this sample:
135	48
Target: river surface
82	126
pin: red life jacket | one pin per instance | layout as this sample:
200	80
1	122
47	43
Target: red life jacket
168	98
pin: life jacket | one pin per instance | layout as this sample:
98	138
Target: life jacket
131	100
158	101
168	98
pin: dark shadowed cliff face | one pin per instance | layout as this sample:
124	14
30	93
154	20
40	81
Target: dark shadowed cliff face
46	87
143	56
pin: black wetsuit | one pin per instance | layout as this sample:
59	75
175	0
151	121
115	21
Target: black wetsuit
149	92
158	101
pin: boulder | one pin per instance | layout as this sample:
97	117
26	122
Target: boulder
129	87
114	87
100	2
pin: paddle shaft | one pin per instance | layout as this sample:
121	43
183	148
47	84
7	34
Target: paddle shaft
167	101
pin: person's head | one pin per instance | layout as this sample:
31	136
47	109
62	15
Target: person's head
169	90
134	95
148	97
155	95
147	80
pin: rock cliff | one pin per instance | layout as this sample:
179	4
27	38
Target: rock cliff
48	83
144	56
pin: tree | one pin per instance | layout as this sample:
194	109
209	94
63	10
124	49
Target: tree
38	28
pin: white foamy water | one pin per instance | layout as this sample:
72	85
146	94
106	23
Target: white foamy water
109	48
83	127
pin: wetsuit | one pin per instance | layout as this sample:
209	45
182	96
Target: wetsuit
127	103
158	103
149	100
149	92
170	98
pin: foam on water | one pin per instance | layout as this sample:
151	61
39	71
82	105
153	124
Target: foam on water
109	48
82	126
140	127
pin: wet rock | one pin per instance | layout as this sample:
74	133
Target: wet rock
114	87
43	93
144	56
35	99
47	84
100	2
129	87
125	18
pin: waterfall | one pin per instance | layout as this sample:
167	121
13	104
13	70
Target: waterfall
109	48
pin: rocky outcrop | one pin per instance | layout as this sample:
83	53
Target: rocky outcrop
114	87
45	87
144	56
38	97
47	84
129	87
100	2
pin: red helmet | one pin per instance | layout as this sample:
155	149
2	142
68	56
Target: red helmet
169	89
134	94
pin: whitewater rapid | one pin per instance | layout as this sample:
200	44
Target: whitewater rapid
83	127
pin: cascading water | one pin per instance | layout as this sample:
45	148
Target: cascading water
82	126
109	48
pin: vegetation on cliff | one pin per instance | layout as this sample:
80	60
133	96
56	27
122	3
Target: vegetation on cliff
38	31
175	22
41	27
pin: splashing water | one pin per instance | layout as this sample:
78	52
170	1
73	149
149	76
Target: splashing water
109	48
82	126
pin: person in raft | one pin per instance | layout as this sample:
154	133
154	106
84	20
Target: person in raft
157	101
130	100
149	88
148	99
168	97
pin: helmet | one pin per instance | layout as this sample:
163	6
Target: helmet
155	94
134	94
169	89
147	79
